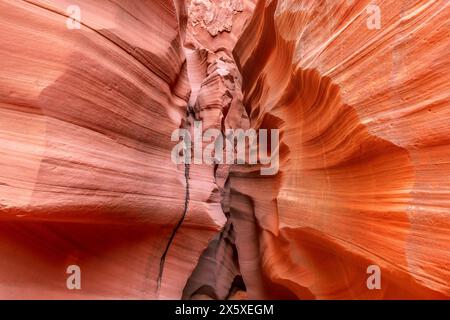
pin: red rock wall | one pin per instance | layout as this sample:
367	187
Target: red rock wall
363	116
86	177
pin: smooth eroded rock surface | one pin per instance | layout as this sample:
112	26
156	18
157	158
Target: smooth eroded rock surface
86	177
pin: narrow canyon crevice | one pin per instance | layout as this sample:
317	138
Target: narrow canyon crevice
217	274
216	100
176	228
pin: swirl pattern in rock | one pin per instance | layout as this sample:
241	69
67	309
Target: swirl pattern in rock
87	115
363	115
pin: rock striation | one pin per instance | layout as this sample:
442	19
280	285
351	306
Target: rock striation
363	115
87	114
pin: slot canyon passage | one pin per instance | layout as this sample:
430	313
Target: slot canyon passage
86	176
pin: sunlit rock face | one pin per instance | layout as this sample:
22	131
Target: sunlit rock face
86	177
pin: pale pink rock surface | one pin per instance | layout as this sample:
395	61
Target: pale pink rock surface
364	120
86	176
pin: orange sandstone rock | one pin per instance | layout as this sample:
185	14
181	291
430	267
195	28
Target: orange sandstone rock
364	117
86	120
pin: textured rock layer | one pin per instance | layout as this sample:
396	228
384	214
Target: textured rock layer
364	121
86	175
85	129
